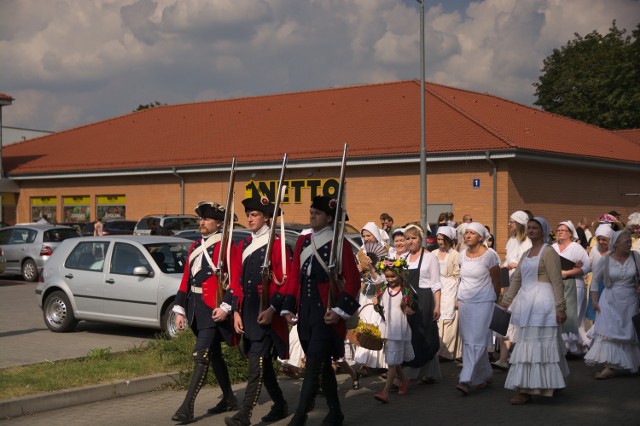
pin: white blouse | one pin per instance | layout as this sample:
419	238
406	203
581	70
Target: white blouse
515	249
429	271
575	252
475	280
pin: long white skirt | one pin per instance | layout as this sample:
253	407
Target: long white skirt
450	342
476	337
366	357
538	365
615	343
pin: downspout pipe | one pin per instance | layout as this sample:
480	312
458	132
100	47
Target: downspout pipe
173	170
494	173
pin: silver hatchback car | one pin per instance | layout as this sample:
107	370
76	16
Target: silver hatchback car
128	280
27	247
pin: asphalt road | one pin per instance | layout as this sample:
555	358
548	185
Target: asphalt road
25	339
585	402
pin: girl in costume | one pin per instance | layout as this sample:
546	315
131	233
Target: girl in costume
394	302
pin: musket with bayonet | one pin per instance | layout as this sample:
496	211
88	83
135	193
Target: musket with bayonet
265	271
338	231
227	225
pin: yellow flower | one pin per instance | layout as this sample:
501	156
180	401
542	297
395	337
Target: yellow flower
397	263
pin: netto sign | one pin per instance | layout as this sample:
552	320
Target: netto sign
298	190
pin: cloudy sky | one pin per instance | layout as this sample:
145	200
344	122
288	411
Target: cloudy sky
72	62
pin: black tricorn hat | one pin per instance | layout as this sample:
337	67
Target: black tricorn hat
210	210
260	204
326	204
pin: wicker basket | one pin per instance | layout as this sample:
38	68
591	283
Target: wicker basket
367	341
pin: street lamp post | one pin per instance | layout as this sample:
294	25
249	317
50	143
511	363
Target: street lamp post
423	144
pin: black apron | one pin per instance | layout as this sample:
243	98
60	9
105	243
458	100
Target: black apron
424	330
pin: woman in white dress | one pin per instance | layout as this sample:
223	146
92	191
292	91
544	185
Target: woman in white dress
479	288
538	365
603	235
615	342
517	245
371	280
424	281
575	293
395	301
450	343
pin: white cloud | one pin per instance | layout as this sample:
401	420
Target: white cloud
69	62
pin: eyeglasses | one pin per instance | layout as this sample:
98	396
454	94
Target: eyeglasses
562	230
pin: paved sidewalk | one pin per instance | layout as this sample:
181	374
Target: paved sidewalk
585	402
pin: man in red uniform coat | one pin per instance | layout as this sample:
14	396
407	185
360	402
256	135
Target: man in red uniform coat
262	330
321	328
196	304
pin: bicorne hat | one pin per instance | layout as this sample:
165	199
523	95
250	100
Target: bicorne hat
260	204
210	210
326	204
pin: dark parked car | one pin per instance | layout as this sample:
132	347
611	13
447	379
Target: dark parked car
78	226
112	227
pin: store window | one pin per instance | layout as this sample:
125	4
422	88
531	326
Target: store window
44	208
111	207
76	209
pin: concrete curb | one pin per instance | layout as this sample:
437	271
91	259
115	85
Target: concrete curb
70	397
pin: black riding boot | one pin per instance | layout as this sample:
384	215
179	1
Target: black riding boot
279	409
251	393
229	401
201	366
310	385
330	388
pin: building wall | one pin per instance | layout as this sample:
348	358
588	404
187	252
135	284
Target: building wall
554	192
558	192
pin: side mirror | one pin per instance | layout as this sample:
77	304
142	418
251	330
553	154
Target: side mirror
141	271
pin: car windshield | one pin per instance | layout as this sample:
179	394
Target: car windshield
169	256
59	234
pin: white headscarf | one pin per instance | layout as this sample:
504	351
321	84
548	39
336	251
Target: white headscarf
447	231
396	232
614	240
604	230
572	228
521	217
373	228
420	231
478	228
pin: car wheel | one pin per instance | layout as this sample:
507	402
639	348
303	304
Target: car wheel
169	322
58	313
29	270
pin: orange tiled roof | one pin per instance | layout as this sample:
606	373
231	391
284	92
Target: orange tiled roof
378	119
632	134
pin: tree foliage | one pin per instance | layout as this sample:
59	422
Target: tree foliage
147	106
595	79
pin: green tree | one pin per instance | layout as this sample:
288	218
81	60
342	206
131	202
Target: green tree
147	106
595	79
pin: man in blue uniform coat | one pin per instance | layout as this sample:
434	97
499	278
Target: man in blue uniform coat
321	327
263	329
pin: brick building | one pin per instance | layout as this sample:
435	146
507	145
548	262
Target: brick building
486	156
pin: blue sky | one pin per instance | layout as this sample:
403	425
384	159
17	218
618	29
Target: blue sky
73	62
